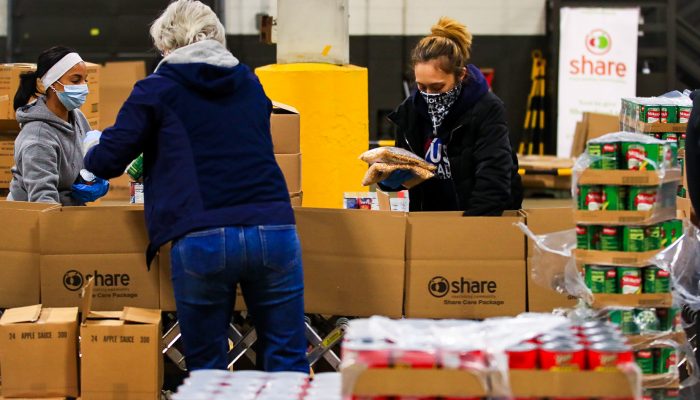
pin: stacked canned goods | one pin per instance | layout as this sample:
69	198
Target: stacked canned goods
258	385
625	198
661	394
628	238
626	280
635	156
654	110
657	360
640	321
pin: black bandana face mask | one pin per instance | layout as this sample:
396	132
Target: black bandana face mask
439	104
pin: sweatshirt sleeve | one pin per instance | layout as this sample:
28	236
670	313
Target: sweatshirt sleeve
123	142
494	163
39	165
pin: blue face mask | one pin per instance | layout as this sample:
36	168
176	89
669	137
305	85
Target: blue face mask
73	96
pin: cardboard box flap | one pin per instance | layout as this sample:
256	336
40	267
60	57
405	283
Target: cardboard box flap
59	315
95	315
449	235
352	233
141	315
25	205
86	303
21	314
93	230
360	381
281	108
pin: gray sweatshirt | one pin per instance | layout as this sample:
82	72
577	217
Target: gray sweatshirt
48	155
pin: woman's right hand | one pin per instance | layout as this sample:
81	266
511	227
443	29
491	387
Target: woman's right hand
397	178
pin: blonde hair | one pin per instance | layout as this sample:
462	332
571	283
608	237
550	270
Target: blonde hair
449	42
185	22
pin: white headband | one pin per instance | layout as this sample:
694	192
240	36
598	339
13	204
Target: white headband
56	72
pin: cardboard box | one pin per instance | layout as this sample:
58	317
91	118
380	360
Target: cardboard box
291	168
19	253
619	258
117	79
119	189
121	353
542	221
7	159
662	300
91	108
353	261
107	243
573	384
9	83
296	199
39	352
358	381
541	172
592	126
625	217
623	177
459	267
284	126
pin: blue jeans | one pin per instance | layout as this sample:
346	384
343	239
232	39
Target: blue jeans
266	262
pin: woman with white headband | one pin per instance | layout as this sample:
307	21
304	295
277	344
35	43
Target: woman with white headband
49	148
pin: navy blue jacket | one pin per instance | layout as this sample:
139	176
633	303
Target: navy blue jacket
204	131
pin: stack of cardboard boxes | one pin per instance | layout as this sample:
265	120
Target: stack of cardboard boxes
9	83
284	126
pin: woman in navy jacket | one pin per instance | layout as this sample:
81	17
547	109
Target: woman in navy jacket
212	187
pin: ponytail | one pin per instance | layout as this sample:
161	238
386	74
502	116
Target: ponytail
27	89
449	42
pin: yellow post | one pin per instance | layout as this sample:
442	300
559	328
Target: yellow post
332	102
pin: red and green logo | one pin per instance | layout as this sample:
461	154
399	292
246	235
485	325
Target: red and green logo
598	42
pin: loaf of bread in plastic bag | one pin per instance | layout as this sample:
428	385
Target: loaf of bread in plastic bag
395	155
378	172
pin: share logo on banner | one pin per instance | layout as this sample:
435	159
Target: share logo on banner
597	65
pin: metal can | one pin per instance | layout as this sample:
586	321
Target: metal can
610	238
459	357
633	155
650	113
605	338
595	151
601	279
652	237
668	394
602	331
614	198
135	169
645	360
136	193
557	337
591	198
669	318
666	360
669	114
676	228
629	280
372	354
582	237
641	198
656	280
633	239
684	114
610	153
414	359
522	356
625	320
681	141
607	356
647	320
562	356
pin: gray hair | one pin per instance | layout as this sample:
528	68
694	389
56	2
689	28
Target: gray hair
185	22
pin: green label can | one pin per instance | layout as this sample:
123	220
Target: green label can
656	280
595	150
582	238
669	319
649	113
610	153
610	238
614	198
684	114
645	360
641	198
591	198
625	319
629	280
681	141
633	239
669	115
652	237
676	229
135	169
634	156
666	360
646	319
601	279
657	156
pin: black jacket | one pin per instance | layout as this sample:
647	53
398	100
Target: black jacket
484	167
692	152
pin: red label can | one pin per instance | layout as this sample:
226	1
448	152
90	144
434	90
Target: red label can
607	356
373	355
522	356
414	359
461	358
562	356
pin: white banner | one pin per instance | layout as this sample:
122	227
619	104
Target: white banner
597	65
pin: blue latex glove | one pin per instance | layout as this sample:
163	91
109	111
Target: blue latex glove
397	178
89	193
